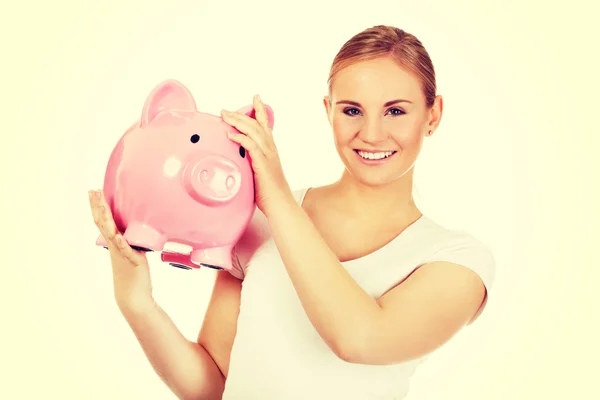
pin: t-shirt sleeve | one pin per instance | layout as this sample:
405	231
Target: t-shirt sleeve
464	249
253	237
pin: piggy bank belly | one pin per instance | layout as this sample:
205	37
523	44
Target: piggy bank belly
153	209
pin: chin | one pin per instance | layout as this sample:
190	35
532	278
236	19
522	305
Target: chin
376	180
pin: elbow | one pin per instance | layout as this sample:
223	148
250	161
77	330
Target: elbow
360	349
353	344
348	355
194	395
350	348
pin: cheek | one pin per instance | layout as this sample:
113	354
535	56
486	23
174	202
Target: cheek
344	128
406	132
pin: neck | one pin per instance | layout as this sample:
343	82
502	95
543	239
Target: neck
391	200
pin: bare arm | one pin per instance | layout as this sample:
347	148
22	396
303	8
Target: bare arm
220	321
191	370
410	320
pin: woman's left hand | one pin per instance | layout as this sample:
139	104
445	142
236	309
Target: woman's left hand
256	137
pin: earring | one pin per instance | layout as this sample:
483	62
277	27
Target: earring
429	134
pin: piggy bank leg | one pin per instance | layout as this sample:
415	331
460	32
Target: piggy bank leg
101	242
143	237
178	260
216	257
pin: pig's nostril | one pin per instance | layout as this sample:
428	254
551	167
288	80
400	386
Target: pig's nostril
203	175
230	182
212	179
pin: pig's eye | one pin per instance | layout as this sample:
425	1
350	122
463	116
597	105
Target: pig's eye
242	152
195	137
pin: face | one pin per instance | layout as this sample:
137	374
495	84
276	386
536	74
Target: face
379	118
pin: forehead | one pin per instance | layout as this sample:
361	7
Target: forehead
381	79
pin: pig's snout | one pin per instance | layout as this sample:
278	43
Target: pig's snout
212	180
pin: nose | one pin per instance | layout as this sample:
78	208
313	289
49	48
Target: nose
212	180
372	131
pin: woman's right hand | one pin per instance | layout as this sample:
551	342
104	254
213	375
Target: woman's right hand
131	274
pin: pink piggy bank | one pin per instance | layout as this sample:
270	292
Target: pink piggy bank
175	176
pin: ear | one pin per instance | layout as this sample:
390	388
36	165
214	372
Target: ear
436	113
251	112
327	104
169	95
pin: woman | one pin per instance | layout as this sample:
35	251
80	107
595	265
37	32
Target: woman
346	287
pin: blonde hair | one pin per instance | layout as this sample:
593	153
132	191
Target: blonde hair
382	41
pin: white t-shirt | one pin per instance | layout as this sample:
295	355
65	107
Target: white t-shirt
277	354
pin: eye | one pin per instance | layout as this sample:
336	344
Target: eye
195	138
351	111
242	152
396	111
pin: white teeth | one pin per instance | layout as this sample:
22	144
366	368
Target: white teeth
375	156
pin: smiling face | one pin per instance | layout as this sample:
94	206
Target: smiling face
379	117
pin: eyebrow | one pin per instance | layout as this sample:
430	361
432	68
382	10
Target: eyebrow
387	104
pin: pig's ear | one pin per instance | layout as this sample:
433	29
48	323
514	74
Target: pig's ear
169	95
251	112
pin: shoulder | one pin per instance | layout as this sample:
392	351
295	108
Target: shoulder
457	247
453	263
466	249
256	234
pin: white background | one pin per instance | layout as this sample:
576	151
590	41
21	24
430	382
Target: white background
513	162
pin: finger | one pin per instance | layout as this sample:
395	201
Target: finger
247	142
103	216
97	212
133	256
113	236
246	125
261	114
242	122
108	229
263	120
107	223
